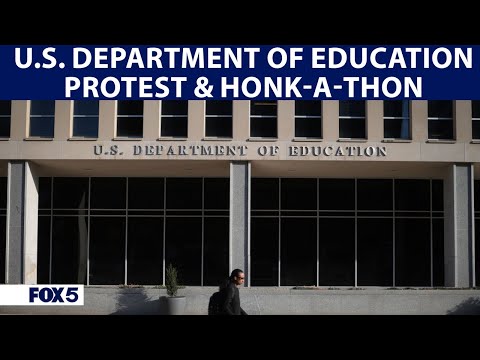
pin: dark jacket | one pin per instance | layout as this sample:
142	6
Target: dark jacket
231	304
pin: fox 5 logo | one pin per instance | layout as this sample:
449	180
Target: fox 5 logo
56	295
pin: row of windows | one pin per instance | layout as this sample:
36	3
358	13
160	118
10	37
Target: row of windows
337	249
263	119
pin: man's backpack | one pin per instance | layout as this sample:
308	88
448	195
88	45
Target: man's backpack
215	303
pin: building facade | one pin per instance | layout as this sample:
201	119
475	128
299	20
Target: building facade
297	193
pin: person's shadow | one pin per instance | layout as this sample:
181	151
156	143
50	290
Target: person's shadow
471	306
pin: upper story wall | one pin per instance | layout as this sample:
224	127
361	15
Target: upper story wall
285	145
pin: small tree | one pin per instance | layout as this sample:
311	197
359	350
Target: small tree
171	280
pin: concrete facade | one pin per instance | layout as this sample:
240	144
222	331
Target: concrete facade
23	159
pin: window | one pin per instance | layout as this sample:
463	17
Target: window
354	232
476	119
5	118
396	119
130	118
440	119
263	118
218	118
85	118
42	118
308	119
352	119
174	119
129	230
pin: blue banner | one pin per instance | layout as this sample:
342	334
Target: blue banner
213	72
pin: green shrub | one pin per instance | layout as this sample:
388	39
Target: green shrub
171	280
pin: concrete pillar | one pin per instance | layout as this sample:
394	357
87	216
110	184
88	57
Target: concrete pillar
330	122
419	121
196	120
22	218
151	120
239	247
107	120
241	120
63	120
374	118
458	200
286	120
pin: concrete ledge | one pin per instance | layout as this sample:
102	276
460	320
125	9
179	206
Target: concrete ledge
113	300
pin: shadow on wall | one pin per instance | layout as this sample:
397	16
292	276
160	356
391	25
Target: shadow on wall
136	302
471	306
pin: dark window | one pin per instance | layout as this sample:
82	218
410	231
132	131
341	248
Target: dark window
217	193
183	248
298	259
308	119
476	119
352	119
375	194
108	193
145	251
263	118
396	119
440	119
5	118
69	250
437	195
412	195
299	194
107	251
146	193
336	194
412	252
218	118
375	251
130	118
264	251
42	118
3	192
142	231
85	118
265	194
184	193
70	193
174	121
215	250
337	251
44	247
45	193
438	252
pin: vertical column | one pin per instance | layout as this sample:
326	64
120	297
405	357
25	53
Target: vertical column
458	200
330	110
151	120
462	115
20	120
196	119
286	120
107	120
419	120
241	120
22	215
239	253
63	119
374	115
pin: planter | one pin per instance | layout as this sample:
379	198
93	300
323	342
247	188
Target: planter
172	305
